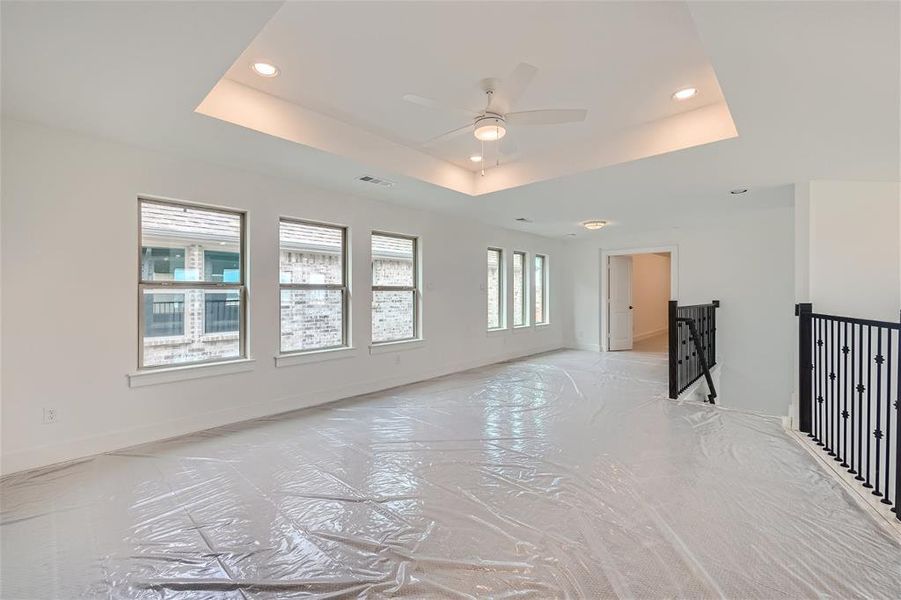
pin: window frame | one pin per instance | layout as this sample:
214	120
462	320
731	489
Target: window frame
344	287
184	286
545	279
526	296
501	296
396	288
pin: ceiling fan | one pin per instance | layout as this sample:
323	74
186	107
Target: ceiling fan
490	124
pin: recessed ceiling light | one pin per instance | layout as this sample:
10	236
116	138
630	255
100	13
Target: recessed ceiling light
594	224
685	93
738	191
264	69
476	158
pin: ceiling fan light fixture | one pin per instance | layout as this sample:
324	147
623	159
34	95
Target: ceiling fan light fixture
685	93
490	128
594	224
476	158
264	69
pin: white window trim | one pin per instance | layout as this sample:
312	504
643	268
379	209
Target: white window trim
290	359
241	287
291	355
526	288
545	289
398	346
416	288
190	371
501	295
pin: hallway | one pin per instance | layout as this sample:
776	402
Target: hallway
564	474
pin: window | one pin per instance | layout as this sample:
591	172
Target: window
495	288
541	281
191	284
395	295
520	290
312	286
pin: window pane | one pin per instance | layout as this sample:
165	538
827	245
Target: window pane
311	319
222	267
494	289
164	315
519	284
310	253
185	236
161	264
190	326
392	315
539	289
392	261
221	312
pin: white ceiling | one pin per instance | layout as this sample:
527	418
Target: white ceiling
355	62
813	89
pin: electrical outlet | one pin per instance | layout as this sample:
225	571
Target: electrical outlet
49	416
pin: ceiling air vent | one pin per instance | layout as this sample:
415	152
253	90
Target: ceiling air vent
375	181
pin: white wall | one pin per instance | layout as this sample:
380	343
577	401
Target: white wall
853	252
650	294
742	260
847	251
69	235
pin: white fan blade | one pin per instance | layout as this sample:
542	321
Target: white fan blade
434	104
448	135
508	147
547	117
513	86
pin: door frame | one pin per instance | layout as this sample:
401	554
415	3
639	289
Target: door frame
673	250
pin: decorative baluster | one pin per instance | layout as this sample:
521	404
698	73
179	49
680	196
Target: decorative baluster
862	427
888	419
867	483
830	386
817	398
877	433
844	382
854	413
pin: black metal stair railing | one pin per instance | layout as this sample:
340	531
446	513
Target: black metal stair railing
849	398
692	346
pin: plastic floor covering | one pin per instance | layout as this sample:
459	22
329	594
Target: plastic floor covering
563	475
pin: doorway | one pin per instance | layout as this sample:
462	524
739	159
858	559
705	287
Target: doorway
637	286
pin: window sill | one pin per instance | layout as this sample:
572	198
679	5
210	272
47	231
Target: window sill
496	331
314	356
399	346
542	324
172	374
521	328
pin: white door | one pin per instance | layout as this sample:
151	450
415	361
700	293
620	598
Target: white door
619	303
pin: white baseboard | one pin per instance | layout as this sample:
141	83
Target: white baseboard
86	447
589	347
649	334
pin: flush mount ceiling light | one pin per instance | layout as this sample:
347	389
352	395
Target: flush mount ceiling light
490	128
593	225
738	191
476	158
264	69
685	93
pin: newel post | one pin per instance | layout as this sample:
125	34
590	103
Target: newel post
805	364
673	349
